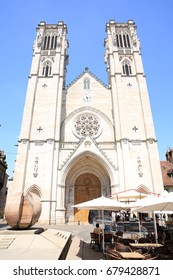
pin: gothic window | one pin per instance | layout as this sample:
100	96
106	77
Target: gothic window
128	40
53	42
123	40
86	83
47	69
117	39
126	68
45	43
50	42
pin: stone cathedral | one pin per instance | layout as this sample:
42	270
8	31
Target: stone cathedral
87	139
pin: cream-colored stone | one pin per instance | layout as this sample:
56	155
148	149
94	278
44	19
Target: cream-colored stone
105	144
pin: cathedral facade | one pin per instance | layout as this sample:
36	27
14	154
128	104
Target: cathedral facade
87	139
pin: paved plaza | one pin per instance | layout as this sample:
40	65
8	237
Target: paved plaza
40	242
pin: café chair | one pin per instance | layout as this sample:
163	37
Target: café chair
144	240
151	236
117	243
115	238
108	237
168	242
163	253
123	248
95	239
119	233
143	251
112	255
130	240
124	241
151	256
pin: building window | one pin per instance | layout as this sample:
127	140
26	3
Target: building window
170	173
47	69
123	40
87	125
50	42
127	70
128	40
86	83
45	43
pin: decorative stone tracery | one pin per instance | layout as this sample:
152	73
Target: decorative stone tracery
87	125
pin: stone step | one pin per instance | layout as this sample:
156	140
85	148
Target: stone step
3	247
6	242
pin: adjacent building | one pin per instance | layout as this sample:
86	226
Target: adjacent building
167	170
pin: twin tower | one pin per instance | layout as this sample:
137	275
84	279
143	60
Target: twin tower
88	139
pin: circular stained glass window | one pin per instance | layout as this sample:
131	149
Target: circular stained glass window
87	125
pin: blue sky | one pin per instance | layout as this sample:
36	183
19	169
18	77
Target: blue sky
86	21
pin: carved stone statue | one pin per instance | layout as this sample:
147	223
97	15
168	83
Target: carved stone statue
22	211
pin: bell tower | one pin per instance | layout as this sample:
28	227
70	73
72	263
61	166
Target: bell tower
137	152
38	147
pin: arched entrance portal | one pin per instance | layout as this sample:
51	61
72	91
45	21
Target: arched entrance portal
87	186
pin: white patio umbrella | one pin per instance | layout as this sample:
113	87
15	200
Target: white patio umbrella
102	203
140	203
163	203
129	194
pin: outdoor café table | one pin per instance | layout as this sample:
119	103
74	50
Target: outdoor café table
131	255
145	245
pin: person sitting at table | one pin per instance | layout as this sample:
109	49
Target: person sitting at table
97	229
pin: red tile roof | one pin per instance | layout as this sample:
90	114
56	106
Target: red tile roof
165	167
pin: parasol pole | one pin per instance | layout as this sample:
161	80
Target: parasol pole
103	240
99	223
155	227
139	222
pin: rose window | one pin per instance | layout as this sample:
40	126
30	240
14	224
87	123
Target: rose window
87	125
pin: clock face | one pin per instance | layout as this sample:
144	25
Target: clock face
87	98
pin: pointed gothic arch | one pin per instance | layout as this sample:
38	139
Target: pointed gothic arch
104	171
35	189
47	68
126	66
86	178
143	189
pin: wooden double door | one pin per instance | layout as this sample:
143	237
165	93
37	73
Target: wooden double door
87	187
